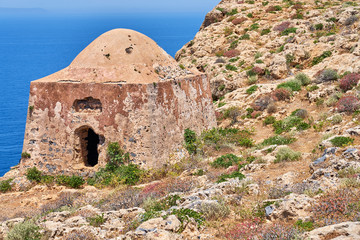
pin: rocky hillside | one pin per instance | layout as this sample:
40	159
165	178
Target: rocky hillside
284	162
277	38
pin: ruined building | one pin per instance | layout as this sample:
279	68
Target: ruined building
122	88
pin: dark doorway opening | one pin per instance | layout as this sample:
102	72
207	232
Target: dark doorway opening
92	147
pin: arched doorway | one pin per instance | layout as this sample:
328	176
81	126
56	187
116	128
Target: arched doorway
92	148
88	144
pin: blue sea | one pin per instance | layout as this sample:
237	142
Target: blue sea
32	47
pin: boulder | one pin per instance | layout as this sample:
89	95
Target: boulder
343	231
292	207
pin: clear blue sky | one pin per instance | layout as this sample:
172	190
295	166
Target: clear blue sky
112	6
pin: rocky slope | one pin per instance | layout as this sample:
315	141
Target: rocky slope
279	37
283	164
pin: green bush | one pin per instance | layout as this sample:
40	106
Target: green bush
150	215
265	31
225	161
25	155
231	67
73	181
129	174
277	140
288	123
115	172
97	220
185	215
232	60
303	78
217	137
341	141
312	88
245	37
294	85
277	8
232	12
154	207
246	142
5	185
47	180
288	31
254	26
190	140
269	120
286	154
24	231
33	174
252	89
251	73
319	26
320	58
225	177
116	156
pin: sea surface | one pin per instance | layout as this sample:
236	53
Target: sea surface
32	47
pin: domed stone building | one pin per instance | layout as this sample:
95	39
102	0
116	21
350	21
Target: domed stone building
122	88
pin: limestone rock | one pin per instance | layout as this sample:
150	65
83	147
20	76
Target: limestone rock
343	231
292	207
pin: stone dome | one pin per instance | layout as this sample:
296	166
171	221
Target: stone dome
120	56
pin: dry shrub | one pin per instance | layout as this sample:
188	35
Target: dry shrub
255	114
281	94
271	9
237	21
155	190
232	113
213	176
219	115
123	199
278	192
85	213
258	70
272	108
262	102
301	113
297	6
214	210
65	199
326	75
245	230
80	234
282	26
351	20
181	185
336	207
349	81
348	104
232	53
280	232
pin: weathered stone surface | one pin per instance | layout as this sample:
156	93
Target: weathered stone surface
343	231
121	88
292	207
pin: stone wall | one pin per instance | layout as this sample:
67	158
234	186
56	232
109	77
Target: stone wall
148	120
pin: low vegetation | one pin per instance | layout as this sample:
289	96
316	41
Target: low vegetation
341	141
27	230
286	154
